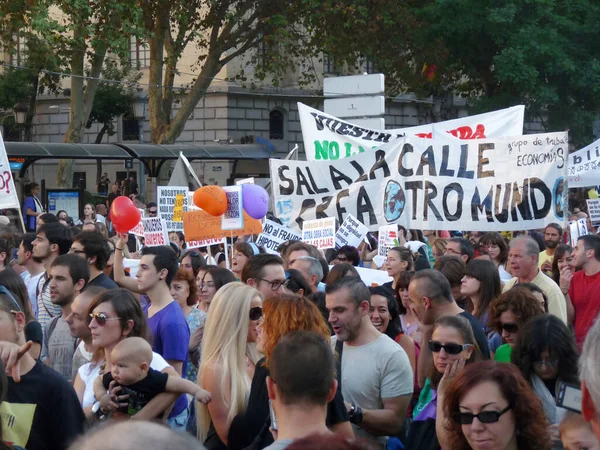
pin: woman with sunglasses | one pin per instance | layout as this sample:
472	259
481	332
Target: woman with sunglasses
452	345
278	314
481	284
14	287
346	254
508	314
497	249
546	353
229	357
183	291
113	316
491	406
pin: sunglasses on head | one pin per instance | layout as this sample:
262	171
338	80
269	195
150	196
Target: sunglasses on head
12	298
451	349
101	318
510	327
464	418
255	313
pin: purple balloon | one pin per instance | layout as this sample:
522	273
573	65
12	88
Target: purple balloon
255	200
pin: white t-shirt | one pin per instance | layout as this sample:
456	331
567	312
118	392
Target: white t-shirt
100	218
89	374
32	283
372	372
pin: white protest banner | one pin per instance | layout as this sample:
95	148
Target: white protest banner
577	229
319	232
502	184
204	243
584	166
138	230
166	199
233	219
593	205
273	235
328	138
352	232
8	193
155	232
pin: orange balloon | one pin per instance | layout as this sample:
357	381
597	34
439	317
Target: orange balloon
211	199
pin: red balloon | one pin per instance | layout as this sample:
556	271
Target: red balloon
123	214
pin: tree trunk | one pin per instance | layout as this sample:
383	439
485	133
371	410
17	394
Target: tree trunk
31	111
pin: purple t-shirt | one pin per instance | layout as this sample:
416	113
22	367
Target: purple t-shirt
170	338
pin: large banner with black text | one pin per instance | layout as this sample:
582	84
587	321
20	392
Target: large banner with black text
431	184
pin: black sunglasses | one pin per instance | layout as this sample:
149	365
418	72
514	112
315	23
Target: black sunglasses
101	318
255	313
510	327
464	418
451	349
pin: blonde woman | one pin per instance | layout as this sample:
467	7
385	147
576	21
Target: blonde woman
229	356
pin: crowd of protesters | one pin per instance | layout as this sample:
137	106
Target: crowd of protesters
478	341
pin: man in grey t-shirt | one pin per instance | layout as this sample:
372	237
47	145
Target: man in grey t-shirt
68	277
376	376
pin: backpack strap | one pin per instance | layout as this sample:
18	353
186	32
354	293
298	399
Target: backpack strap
339	350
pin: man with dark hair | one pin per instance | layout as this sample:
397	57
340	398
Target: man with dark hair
461	247
552	239
44	219
93	248
300	387
378	378
151	209
133	187
584	290
113	194
68	277
5	252
170	330
51	241
431	298
34	269
454	269
265	272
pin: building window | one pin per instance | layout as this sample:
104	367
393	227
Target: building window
276	124
18	55
329	66
368	66
79	180
139	52
131	129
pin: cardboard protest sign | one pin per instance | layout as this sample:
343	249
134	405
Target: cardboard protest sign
199	225
233	219
155	232
594	210
328	138
8	193
499	184
138	230
203	243
274	235
166	198
319	232
352	232
584	166
388	238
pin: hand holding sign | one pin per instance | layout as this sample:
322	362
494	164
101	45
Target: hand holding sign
123	214
211	199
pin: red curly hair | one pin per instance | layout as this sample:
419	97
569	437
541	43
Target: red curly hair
531	425
287	313
520	301
183	275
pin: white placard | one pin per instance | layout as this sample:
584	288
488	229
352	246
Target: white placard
138	230
8	193
594	210
205	243
166	196
327	137
577	229
319	232
233	219
274	235
155	232
352	232
584	166
502	184
388	238
245	181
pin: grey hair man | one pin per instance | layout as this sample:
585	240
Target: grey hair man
523	259
590	378
310	268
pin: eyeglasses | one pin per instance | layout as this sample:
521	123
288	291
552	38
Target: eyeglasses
553	363
255	313
510	327
101	318
464	418
275	285
341	258
451	348
152	212
12	298
451	252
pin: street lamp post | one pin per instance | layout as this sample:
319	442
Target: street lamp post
140	104
20	110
